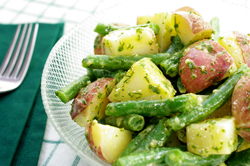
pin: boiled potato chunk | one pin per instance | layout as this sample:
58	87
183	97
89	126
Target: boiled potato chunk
213	136
191	27
188	9
129	42
91	101
244	42
229	42
205	63
245	145
144	80
106	141
166	24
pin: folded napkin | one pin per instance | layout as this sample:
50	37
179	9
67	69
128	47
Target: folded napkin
22	115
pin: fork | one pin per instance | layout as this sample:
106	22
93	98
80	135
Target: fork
17	59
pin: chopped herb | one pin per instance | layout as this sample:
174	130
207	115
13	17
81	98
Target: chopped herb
212	122
190	64
120	48
146	78
176	26
96	117
245	41
138	30
139	37
203	70
99	95
154	89
223	52
210	48
193	76
84	101
135	95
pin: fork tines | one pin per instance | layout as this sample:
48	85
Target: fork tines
17	59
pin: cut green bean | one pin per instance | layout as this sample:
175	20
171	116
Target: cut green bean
100	73
175	46
104	29
156	138
180	86
150	108
213	102
176	157
70	91
216	27
137	140
120	62
170	66
130	122
156	156
241	158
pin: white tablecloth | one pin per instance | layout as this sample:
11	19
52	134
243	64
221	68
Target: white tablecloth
54	151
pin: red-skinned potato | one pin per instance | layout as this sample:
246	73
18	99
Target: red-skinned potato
240	106
229	42
106	141
190	27
189	10
98	45
98	40
238	45
244	42
205	63
91	101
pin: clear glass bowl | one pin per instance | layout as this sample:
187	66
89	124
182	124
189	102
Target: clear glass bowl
64	61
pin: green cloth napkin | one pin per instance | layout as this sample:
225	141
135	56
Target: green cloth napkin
22	115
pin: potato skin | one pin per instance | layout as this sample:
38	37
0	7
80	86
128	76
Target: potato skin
203	64
89	137
86	95
106	141
188	9
191	27
195	22
240	106
244	42
98	45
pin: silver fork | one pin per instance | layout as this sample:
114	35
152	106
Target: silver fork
16	62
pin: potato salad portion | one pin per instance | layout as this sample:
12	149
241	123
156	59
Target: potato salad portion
169	90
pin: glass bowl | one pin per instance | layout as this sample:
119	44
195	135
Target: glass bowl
64	61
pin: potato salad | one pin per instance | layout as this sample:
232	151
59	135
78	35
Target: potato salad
169	90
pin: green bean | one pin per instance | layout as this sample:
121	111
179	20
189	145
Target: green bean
70	91
150	108
100	73
213	102
130	122
137	140
216	27
156	156
176	157
119	62
156	138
